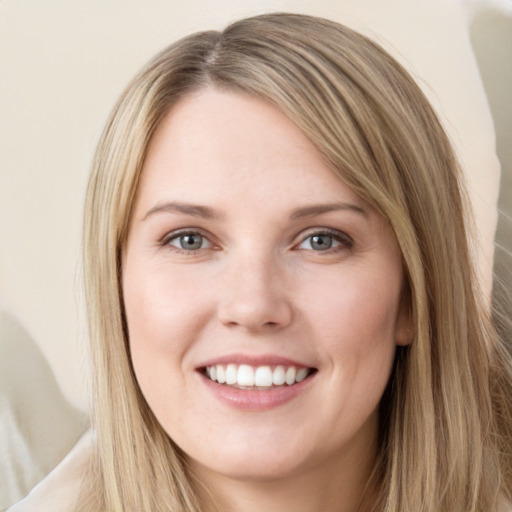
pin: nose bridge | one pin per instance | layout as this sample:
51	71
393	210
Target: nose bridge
254	294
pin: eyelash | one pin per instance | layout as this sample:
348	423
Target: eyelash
175	235
344	240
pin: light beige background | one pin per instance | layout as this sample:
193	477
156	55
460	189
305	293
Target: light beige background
62	65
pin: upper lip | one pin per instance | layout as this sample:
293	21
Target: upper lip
254	360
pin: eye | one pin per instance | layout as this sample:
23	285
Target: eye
188	241
325	240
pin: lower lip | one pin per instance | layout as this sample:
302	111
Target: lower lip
256	400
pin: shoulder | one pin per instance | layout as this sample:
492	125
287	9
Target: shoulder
59	491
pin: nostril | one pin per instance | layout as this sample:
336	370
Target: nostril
255	314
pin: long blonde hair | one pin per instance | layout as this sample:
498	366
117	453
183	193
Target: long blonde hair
446	426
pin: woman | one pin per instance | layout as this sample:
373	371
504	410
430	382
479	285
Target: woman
283	309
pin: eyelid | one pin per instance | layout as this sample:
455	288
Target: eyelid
168	237
343	238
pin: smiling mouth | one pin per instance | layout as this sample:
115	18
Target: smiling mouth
256	378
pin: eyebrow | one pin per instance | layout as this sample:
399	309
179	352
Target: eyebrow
319	209
206	212
185	208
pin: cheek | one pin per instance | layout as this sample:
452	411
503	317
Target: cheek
358	302
356	320
358	338
163	310
165	314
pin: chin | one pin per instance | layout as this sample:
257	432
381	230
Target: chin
255	469
255	462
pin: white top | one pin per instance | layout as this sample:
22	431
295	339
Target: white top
59	491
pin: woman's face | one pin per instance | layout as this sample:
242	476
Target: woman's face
249	261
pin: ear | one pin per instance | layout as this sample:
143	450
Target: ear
404	330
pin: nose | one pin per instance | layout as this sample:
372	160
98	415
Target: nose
254	297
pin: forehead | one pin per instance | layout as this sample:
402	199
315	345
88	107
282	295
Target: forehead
226	143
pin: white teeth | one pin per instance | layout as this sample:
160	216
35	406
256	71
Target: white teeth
231	374
245	375
260	377
301	374
221	374
290	375
263	376
278	376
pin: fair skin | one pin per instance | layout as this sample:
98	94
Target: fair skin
245	249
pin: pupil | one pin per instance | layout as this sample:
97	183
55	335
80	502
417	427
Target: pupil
191	241
321	242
